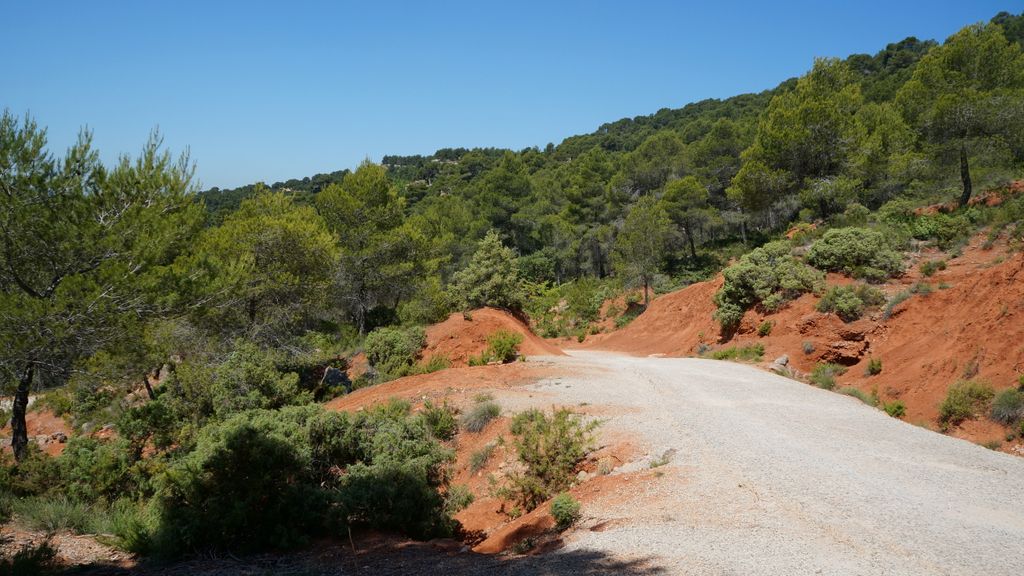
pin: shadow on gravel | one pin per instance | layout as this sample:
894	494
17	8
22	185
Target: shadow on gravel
411	559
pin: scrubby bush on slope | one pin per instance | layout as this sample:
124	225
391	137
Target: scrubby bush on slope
859	252
393	351
849	302
769	275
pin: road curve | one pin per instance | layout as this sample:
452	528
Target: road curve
773	476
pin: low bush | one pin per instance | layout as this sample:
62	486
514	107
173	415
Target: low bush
769	276
849	302
930	267
565	509
895	301
859	252
869	399
1008	407
440	420
549	448
807	347
477	417
393	351
944	229
502	346
765	328
824	375
874	367
964	401
750	353
896	408
480	458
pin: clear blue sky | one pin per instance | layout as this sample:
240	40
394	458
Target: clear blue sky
270	91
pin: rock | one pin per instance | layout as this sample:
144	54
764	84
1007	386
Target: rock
107	428
845	352
782	360
59	437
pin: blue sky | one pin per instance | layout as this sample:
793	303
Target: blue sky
271	91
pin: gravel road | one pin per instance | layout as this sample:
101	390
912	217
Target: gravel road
773	476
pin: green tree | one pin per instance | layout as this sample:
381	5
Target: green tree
265	270
967	94
640	245
382	258
687	204
491	278
85	252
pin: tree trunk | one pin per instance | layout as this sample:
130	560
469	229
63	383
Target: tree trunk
647	299
149	387
965	175
19	429
689	236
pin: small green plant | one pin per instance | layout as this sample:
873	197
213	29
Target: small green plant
896	408
477	418
930	267
751	353
993	444
565	509
971	369
436	363
945	285
849	302
869	399
808	348
393	351
1008	407
523	546
895	301
502	346
765	328
456	499
480	458
874	367
824	375
922	288
964	401
440	420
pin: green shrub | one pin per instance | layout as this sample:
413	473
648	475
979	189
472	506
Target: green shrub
750	353
769	275
503	345
492	277
632	313
393	351
895	301
807	347
869	399
922	288
858	252
930	267
480	458
54	514
1008	407
849	302
31	560
896	408
565	509
964	400
944	229
550	448
477	418
440	420
874	367
436	363
824	375
765	328
456	499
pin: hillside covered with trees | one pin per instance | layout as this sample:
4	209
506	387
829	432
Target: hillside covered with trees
200	325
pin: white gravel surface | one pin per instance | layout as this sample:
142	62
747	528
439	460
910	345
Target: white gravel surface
773	476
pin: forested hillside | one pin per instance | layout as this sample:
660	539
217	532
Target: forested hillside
201	325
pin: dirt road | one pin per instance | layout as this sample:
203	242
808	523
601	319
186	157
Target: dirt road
772	476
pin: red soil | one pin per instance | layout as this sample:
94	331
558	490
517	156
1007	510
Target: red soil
42	423
457	338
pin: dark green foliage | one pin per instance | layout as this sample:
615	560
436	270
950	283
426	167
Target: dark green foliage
565	510
1008	407
765	328
440	420
896	408
858	252
750	353
824	375
874	367
944	229
930	267
477	417
491	278
965	400
550	448
769	275
503	346
849	302
479	458
393	351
